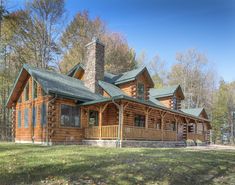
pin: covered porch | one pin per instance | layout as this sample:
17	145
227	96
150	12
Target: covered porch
133	120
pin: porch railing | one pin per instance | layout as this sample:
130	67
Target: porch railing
129	132
107	132
194	136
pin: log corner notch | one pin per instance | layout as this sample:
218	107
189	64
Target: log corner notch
13	121
51	120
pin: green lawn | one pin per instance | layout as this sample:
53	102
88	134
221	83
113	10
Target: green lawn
30	164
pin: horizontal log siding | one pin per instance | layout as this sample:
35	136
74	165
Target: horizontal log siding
66	134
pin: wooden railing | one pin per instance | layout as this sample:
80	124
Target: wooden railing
169	135
194	136
92	132
129	132
107	132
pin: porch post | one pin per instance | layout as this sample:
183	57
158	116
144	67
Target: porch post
121	124
162	125
187	121
176	125
203	130
100	124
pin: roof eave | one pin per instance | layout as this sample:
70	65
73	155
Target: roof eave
140	101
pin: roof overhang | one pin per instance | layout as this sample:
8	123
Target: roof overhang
123	97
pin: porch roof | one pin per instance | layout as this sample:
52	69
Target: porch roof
148	103
195	111
166	91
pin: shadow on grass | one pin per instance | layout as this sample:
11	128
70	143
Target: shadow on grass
126	166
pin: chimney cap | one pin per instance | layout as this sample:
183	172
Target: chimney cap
94	40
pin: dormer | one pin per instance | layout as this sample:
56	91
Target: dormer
170	96
199	112
135	83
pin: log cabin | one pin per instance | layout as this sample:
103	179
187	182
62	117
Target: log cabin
89	104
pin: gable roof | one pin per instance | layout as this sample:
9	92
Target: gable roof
195	111
155	101
111	89
75	68
52	83
127	76
166	91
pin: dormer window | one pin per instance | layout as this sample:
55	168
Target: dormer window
140	91
26	97
175	106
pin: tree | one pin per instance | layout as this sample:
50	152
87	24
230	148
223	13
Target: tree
156	67
197	78
118	56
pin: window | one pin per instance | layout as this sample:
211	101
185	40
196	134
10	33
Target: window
173	126
26	118
43	114
70	116
140	91
175	104
27	92
35	89
19	119
93	118
139	120
158	124
34	116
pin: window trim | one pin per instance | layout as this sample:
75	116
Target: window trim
19	119
97	118
34	82
142	97
64	126
26	92
26	121
139	116
42	119
34	116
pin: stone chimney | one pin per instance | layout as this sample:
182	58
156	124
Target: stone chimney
94	66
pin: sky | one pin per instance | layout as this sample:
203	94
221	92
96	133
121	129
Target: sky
165	27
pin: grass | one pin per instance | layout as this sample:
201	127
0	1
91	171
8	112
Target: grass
31	164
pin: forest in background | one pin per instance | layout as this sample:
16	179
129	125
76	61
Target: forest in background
40	35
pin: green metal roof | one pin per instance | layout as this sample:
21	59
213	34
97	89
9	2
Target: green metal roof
195	111
154	100
125	77
62	85
148	103
75	69
164	92
111	89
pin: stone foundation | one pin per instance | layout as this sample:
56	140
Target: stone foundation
135	143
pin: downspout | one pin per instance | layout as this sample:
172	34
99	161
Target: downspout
119	124
47	137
